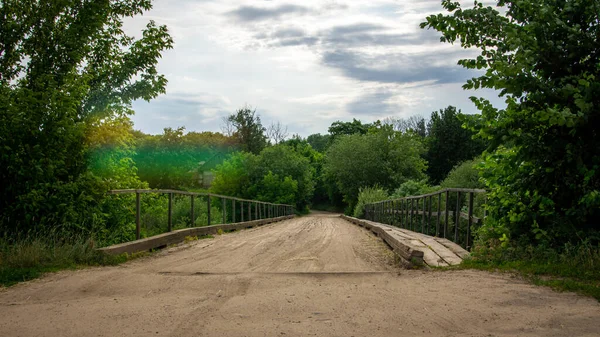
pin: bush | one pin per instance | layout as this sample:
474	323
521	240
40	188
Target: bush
464	175
413	187
368	195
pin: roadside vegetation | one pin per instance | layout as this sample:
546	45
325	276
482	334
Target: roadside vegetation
66	139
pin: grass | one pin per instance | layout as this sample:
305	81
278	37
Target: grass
29	259
573	268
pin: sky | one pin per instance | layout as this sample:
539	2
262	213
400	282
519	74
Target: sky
305	63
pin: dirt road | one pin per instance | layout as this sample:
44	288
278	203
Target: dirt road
311	276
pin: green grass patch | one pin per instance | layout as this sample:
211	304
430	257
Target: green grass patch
30	259
573	268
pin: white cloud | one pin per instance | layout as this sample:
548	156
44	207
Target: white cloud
305	63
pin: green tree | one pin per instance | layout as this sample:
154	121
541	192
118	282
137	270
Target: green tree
381	157
273	175
544	57
340	128
319	142
448	143
62	63
246	128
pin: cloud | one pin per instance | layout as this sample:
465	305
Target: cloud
251	13
373	104
394	68
195	111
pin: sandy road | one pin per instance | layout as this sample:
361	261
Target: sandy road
311	276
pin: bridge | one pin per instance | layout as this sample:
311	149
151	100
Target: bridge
283	275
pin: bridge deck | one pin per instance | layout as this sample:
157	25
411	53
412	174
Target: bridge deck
416	247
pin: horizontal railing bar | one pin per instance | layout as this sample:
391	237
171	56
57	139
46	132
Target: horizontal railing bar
463	190
166	191
434	215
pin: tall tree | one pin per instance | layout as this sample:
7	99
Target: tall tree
448	143
381	157
246	128
544	57
319	142
62	63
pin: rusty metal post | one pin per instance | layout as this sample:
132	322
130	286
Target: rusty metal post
137	216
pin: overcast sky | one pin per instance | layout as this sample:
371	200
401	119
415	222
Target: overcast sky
304	63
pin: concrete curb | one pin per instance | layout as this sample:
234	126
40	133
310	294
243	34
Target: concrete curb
163	240
410	255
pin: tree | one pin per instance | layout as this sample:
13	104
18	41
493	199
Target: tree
544	58
414	124
448	143
319	142
277	132
381	157
348	128
61	64
274	175
246	128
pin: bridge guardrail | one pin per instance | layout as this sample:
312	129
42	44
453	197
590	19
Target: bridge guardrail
407	213
256	210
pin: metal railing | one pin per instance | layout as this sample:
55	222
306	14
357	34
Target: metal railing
423	213
256	210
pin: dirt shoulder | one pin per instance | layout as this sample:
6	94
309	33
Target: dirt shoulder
316	275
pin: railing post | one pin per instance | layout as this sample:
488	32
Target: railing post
208	208
224	206
170	216
137	216
256	215
424	211
439	215
192	209
241	211
447	213
470	223
249	211
411	214
457	217
429	218
232	210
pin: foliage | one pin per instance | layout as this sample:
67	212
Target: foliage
245	127
180	160
448	143
382	156
413	187
340	128
65	64
30	258
368	195
319	142
570	268
464	175
544	58
275	175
